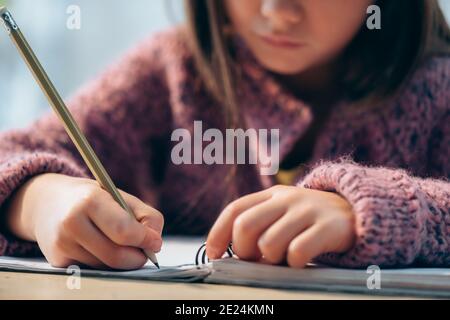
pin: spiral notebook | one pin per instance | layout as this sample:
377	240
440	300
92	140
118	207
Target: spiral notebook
183	261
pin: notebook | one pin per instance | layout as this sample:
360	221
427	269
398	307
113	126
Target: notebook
178	261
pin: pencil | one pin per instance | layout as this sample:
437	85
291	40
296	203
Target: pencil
70	125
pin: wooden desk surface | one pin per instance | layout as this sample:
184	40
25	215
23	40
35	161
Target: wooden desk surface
16	285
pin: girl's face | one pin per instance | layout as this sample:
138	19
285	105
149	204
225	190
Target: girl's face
292	36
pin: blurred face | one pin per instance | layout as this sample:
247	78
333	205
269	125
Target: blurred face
292	36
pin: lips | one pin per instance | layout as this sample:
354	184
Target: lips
281	41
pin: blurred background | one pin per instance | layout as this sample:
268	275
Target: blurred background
72	57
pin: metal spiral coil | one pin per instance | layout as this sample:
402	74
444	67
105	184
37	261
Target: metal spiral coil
201	258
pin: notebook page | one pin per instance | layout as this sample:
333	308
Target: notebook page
179	250
176	260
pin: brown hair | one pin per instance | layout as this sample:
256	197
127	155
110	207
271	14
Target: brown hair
380	61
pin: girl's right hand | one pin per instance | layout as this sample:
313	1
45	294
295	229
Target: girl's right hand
75	221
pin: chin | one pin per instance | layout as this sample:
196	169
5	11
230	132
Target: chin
283	68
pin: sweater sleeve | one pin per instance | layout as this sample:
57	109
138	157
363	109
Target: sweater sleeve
122	113
400	220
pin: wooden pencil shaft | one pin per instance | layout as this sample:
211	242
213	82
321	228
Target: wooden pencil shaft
67	119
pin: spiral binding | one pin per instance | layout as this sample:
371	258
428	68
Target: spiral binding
201	252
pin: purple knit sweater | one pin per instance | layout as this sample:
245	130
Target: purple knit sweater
392	164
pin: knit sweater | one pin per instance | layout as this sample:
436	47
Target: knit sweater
391	163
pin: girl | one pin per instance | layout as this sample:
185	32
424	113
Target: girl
356	108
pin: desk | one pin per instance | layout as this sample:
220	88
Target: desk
15	285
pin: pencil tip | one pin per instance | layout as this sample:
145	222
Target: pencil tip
157	265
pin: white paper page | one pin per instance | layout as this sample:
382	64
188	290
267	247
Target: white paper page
179	250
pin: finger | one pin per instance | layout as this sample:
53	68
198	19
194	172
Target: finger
79	255
220	234
306	246
145	214
109	253
251	224
123	229
68	252
274	242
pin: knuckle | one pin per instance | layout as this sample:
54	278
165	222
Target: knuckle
308	208
244	226
151	217
232	209
90	199
265	246
304	210
287	197
123	232
285	194
269	251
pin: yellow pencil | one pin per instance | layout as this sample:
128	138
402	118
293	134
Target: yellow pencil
64	114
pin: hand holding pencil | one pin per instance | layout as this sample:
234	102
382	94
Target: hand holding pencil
76	222
106	221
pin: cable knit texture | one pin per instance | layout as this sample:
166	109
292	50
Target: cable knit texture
391	163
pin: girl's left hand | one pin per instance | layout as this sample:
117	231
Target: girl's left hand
284	223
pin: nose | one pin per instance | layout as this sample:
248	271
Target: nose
281	13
